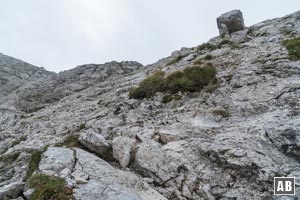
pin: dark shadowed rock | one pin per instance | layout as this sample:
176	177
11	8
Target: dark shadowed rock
230	22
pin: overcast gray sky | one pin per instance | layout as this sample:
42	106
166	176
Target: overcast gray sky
61	34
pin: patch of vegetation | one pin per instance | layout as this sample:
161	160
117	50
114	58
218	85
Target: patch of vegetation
210	88
49	187
208	57
221	112
149	86
207	46
293	48
34	162
177	97
82	126
199	77
175	60
198	61
70	141
9	158
211	47
19	140
191	79
167	98
232	44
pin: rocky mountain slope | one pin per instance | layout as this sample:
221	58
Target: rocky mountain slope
224	143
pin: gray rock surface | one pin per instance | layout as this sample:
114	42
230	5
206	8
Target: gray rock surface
225	144
57	159
230	22
96	143
11	191
122	148
94	178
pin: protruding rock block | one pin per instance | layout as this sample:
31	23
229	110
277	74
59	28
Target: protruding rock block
230	22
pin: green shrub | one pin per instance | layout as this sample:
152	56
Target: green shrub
167	98
199	77
149	86
293	48
82	126
191	79
198	61
49	187
208	57
34	162
177	81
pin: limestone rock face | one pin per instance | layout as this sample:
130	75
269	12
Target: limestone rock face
11	191
122	148
225	142
56	159
230	22
96	143
94	178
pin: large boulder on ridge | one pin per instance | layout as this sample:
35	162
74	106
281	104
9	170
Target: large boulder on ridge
230	22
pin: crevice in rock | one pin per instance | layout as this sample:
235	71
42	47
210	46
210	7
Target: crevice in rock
21	194
76	160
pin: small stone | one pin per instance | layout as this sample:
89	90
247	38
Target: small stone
122	148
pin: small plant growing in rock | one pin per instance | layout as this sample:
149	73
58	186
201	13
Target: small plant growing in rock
208	57
82	126
293	48
167	98
198	61
49	187
175	60
207	46
34	162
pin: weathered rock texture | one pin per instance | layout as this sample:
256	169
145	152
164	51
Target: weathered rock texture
230	22
225	144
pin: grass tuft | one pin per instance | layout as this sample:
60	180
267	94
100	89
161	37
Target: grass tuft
34	162
293	48
49	187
